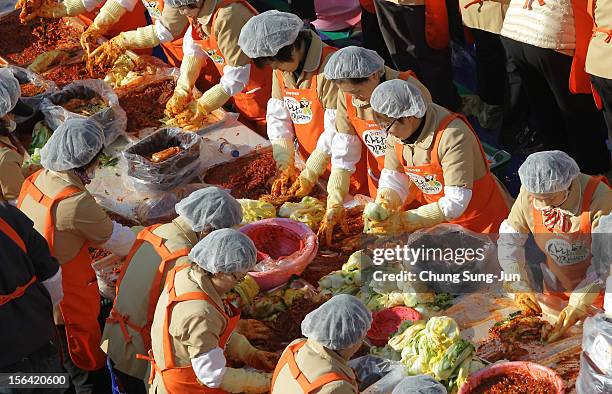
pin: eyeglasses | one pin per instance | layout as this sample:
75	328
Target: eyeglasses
390	125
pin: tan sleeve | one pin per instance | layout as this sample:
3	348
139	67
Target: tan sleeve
518	218
174	22
343	124
391	161
11	177
341	387
601	204
227	28
197	325
328	92
276	89
456	152
83	216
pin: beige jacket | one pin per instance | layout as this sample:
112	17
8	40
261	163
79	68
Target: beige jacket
488	15
11	177
195	326
314	360
176	23
521	218
328	92
599	56
133	296
227	26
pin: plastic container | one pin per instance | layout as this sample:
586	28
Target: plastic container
227	148
497	157
285	248
537	371
387	321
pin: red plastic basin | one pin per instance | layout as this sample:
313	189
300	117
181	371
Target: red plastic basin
279	238
386	322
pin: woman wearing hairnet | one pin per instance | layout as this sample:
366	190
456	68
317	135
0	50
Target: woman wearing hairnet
63	211
434	159
559	206
193	329
303	103
334	332
213	37
157	250
359	145
11	157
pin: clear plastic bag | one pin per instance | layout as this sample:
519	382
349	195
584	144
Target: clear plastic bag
24	76
597	342
591	382
450	249
113	119
160	209
377	375
179	169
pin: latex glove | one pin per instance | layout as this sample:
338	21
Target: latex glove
301	187
387	201
400	222
283	152
285	178
31	9
109	14
212	99
108	53
315	166
333	217
264	361
247	289
253	330
178	102
241	381
527	302
569	316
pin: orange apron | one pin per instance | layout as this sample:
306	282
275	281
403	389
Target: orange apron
288	358
568	255
368	5
437	32
252	102
7	230
374	145
81	304
173	49
183	379
129	21
306	110
487	208
116	316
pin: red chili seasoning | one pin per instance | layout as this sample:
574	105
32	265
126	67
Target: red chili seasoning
145	107
67	73
514	383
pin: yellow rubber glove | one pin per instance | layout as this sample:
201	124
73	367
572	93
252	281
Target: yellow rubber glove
337	188
49	9
109	14
283	152
387	202
108	53
315	166
211	100
190	70
524	297
400	222
141	38
241	381
239	348
575	310
247	289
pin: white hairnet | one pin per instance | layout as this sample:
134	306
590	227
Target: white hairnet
180	3
601	246
398	99
353	62
210	206
72	145
10	91
548	172
338	324
420	384
265	34
226	251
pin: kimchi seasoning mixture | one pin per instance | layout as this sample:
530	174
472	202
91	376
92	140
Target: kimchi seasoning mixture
98	254
514	383
31	90
67	73
247	177
21	44
145	107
